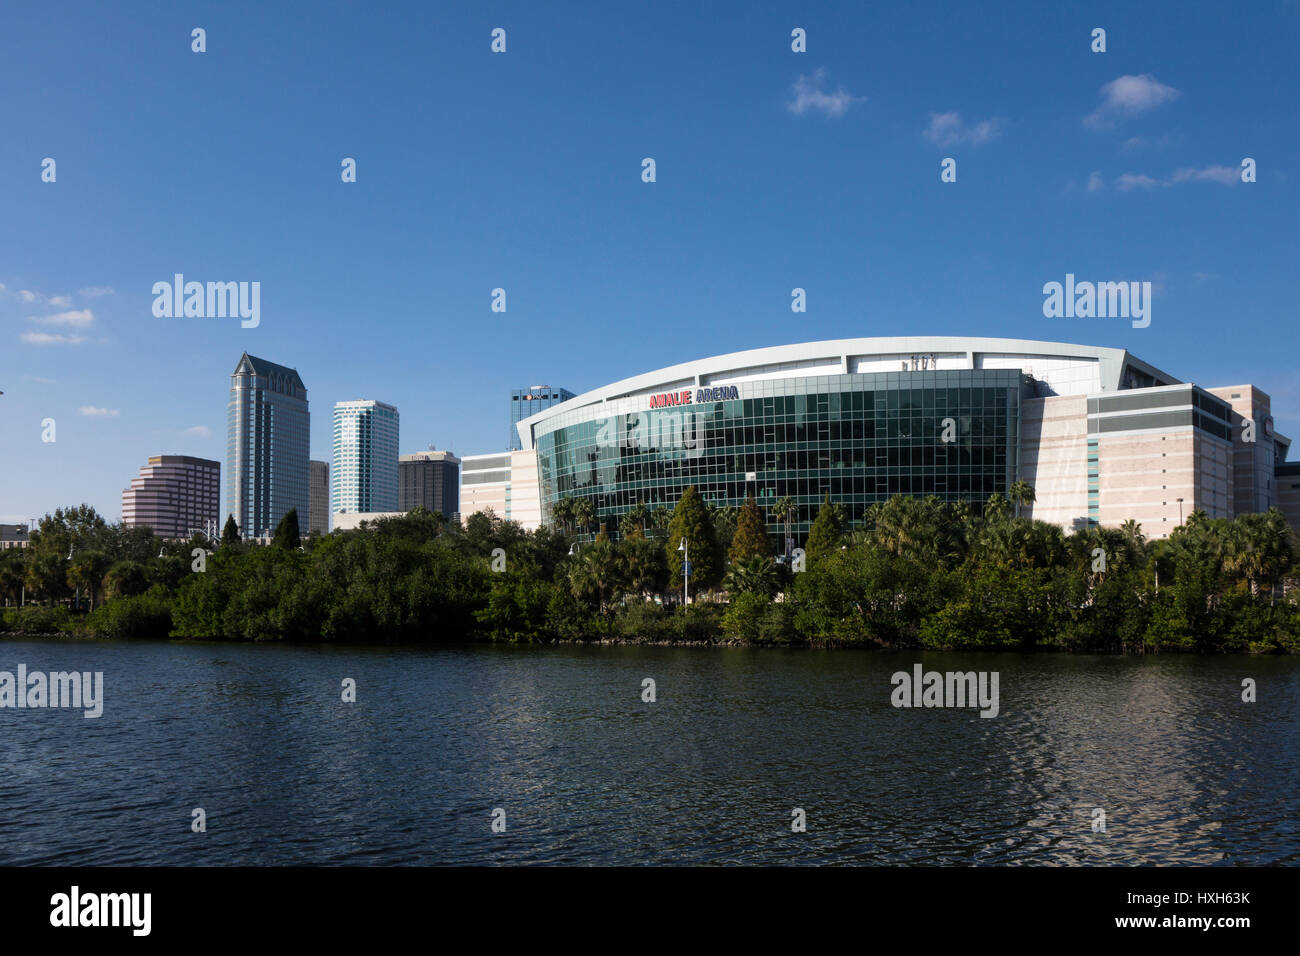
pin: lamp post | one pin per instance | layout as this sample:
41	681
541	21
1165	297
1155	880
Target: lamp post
1180	512
685	548
78	597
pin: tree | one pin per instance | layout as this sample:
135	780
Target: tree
660	518
125	579
584	513
595	574
724	520
921	530
47	575
67	529
634	520
1132	531
562	511
997	508
11	575
230	533
824	538
286	532
750	539
691	522
752	575
785	511
1022	493
86	572
644	565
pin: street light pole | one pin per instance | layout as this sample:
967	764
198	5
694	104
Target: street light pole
1180	512
685	547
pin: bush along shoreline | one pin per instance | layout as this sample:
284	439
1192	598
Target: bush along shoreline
907	573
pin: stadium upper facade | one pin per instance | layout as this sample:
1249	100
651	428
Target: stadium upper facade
1101	435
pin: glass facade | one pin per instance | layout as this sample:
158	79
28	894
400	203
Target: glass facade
530	401
860	438
268	428
366	437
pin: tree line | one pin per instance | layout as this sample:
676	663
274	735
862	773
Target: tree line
908	572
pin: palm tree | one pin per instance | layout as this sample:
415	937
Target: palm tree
1132	532
643	566
86	572
639	513
661	518
1022	493
756	575
584	513
1257	547
562	511
785	511
595	574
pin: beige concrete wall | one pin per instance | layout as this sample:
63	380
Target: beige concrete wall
351	520
1054	448
1142	477
1253	462
525	490
481	497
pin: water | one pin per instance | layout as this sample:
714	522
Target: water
559	738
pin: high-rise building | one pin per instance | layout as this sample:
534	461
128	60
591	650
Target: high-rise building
429	479
319	522
365	457
504	483
175	495
530	401
268	429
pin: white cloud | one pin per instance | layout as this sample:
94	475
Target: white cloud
28	296
45	338
202	431
81	318
1128	96
1135	181
95	290
38	379
1095	182
61	301
94	412
1224	175
809	95
947	129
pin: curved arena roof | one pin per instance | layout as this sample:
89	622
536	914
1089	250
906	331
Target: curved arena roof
1061	368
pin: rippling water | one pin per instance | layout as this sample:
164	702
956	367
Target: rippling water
559	738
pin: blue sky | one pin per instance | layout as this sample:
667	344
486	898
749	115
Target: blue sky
522	170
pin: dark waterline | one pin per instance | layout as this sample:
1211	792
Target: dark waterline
258	736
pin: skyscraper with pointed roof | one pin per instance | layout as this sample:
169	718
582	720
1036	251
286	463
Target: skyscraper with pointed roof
267	446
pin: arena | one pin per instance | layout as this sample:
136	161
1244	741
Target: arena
1101	435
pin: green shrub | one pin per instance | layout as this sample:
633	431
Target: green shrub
645	621
41	620
742	621
143	615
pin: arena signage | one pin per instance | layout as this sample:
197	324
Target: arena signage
719	393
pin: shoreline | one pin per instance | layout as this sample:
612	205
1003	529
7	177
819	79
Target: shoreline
671	643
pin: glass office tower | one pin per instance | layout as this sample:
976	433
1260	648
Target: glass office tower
530	401
268	428
365	457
